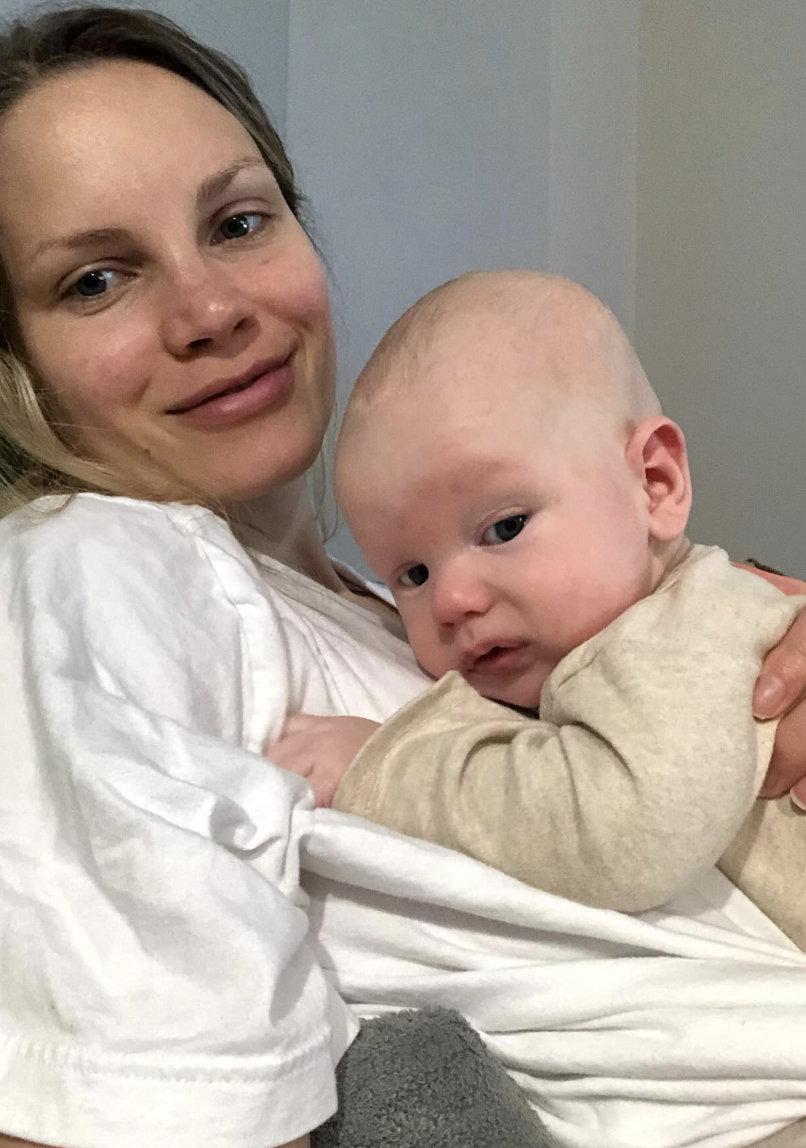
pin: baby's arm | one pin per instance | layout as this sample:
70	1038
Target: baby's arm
640	774
596	809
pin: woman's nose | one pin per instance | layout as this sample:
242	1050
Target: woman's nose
204	308
459	595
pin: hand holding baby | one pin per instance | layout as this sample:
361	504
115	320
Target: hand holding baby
320	749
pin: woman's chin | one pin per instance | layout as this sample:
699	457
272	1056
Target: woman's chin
278	482
237	477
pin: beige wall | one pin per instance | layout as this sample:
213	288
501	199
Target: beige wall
721	258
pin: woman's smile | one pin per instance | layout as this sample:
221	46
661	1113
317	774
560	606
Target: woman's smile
228	401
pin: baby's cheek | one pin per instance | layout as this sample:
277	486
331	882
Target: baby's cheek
430	653
593	603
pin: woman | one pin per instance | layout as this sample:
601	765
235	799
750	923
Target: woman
166	339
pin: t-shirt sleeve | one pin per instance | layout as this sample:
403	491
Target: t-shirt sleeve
156	984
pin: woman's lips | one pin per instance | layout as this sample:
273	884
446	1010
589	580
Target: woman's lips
269	389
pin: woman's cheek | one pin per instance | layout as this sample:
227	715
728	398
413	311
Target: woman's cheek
86	359
305	296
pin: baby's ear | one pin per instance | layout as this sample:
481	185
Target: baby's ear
657	453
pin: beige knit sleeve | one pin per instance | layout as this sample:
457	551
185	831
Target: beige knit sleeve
617	802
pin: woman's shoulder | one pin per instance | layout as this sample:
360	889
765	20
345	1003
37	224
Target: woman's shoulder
122	539
95	557
112	522
157	597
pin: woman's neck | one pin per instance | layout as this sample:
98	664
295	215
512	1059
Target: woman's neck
283	524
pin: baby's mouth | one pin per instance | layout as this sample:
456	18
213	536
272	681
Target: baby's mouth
503	658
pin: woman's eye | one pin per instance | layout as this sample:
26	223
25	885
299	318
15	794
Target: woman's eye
504	530
92	284
415	575
241	225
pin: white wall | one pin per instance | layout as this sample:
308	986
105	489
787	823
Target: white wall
419	131
253	32
722	258
592	158
437	137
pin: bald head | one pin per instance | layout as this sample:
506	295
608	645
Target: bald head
566	346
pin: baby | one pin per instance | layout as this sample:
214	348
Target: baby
506	469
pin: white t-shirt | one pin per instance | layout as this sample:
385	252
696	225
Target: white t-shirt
155	987
165	978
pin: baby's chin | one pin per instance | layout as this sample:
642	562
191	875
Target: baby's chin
512	678
521	692
515	699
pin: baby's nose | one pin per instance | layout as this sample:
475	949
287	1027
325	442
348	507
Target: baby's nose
456	597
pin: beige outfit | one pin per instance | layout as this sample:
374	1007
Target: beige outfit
640	772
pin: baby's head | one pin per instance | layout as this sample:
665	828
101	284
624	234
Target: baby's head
506	469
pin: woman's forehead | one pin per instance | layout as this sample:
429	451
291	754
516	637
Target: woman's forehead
107	87
96	141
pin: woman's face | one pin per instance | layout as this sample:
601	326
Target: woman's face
166	295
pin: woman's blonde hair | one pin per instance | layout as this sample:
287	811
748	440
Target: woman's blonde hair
36	454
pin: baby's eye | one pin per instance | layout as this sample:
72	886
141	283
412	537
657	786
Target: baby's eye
415	575
504	530
240	226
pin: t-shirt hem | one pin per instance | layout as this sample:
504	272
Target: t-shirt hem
80	1102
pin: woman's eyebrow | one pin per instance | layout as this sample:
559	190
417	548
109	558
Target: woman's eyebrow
213	185
93	237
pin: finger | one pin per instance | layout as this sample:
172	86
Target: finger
322	796
775	784
290	755
301	766
788	763
782	680
798	795
300	723
293	724
781	582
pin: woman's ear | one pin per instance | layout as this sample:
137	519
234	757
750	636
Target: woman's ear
657	453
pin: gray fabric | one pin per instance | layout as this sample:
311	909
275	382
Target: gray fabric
423	1079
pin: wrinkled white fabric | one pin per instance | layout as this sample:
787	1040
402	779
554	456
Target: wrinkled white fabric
679	1028
160	983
